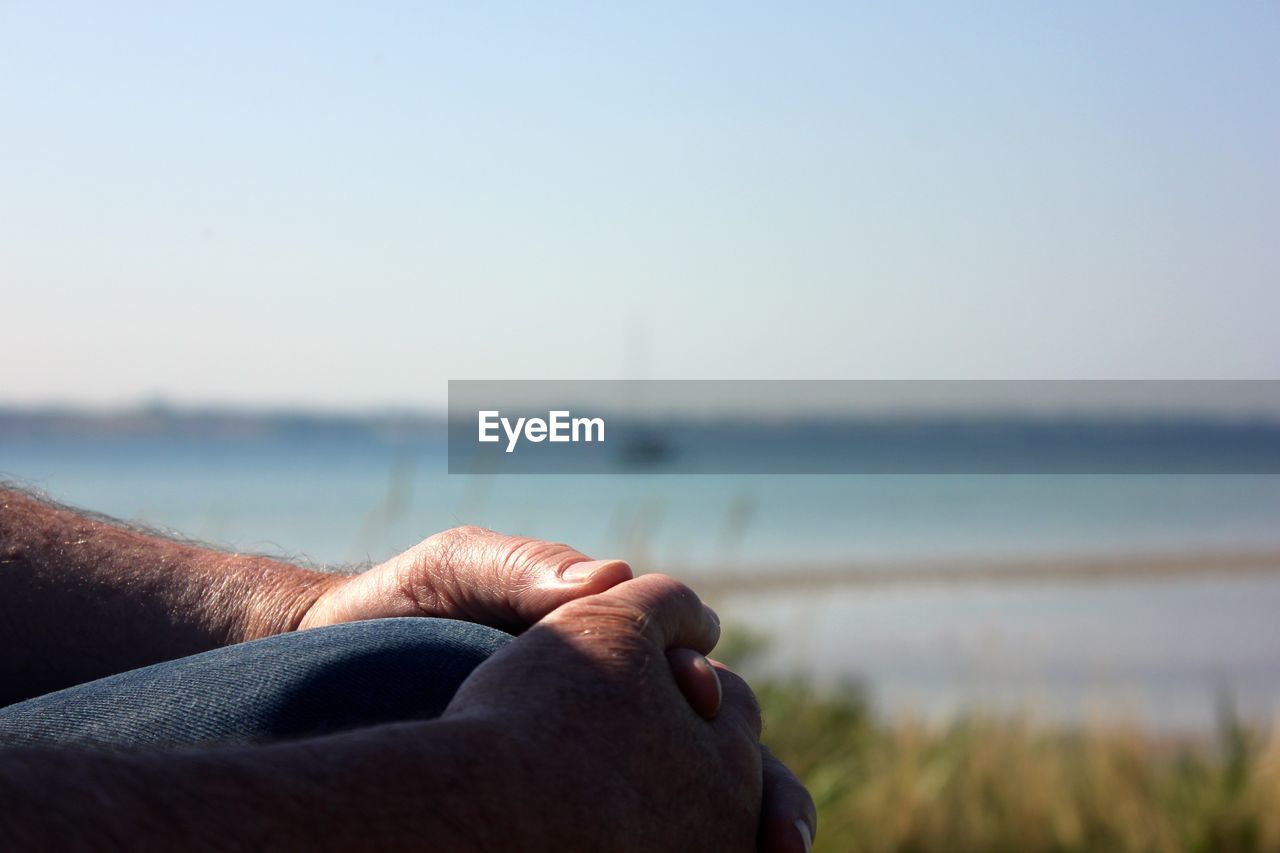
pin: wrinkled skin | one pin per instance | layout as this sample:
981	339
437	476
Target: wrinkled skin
632	761
469	573
627	655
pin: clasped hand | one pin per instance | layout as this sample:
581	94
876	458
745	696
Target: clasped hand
607	692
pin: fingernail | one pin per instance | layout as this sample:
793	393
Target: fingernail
805	835
582	572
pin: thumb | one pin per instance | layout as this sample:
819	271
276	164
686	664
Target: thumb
512	581
556	582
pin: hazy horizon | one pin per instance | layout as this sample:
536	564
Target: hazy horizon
343	208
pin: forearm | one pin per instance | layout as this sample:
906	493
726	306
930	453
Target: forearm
442	785
81	598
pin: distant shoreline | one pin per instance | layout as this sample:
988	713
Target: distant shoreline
993	443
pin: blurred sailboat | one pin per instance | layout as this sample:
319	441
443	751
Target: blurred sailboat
644	445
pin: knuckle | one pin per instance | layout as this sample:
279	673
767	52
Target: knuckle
616	616
665	590
518	552
610	630
451	555
447	544
511	552
739	695
524	562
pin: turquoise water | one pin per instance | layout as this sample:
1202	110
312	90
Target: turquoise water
337	501
1162	650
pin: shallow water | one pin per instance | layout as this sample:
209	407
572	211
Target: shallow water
1160	649
1167	653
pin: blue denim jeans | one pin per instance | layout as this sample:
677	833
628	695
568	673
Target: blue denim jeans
293	685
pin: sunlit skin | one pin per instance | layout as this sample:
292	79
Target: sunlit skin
604	719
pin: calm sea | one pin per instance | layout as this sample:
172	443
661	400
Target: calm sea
1162	650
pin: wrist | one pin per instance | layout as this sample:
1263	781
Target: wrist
280	597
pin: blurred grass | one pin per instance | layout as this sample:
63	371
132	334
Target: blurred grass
1005	783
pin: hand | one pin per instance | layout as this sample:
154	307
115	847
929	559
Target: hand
575	737
787	812
610	753
511	582
470	573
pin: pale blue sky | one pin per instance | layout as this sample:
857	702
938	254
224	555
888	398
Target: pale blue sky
343	205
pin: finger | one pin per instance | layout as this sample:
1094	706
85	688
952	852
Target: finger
697	680
557	581
518	579
738	705
667	612
788	817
